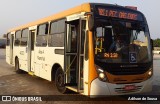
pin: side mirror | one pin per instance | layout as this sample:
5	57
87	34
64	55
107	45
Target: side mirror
91	23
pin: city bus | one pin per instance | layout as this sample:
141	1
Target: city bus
76	50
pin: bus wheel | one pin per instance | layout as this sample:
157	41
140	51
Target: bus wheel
17	66
59	80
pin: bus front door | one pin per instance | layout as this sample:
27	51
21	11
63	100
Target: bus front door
74	55
31	51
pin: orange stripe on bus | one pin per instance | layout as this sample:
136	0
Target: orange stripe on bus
127	78
92	71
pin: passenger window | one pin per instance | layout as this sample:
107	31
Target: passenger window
41	39
24	38
17	38
56	36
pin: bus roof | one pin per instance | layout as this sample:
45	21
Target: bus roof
81	8
86	7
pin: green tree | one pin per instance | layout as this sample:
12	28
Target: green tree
156	42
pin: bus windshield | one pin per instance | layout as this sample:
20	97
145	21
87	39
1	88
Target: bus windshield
118	41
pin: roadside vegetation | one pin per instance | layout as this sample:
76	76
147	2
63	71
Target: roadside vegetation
156	42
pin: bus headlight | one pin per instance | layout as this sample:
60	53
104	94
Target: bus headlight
101	74
150	73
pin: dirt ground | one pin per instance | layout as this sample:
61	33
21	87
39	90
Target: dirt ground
24	84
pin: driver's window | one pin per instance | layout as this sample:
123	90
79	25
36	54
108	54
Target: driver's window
103	39
99	39
138	38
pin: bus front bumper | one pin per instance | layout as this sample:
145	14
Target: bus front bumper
99	88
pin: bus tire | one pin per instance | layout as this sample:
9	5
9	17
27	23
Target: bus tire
59	81
17	70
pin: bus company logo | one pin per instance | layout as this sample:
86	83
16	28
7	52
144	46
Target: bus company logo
6	98
132	57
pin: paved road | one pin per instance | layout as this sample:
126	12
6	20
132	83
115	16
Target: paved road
24	84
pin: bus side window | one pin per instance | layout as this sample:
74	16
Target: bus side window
17	38
24	38
56	35
41	39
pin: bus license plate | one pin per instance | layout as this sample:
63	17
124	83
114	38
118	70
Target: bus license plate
130	87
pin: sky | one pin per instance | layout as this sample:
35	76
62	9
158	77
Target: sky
18	12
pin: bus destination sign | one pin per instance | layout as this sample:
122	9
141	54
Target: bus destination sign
118	13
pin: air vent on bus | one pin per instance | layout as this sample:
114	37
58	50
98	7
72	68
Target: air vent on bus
122	90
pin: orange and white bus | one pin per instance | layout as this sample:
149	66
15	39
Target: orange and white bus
93	49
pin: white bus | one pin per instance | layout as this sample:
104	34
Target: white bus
73	48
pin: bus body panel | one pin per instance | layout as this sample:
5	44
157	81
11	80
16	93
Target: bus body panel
21	53
17	54
8	54
86	65
99	88
86	75
45	58
92	71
